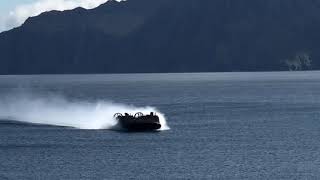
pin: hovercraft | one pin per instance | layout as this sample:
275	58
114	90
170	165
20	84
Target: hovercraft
138	122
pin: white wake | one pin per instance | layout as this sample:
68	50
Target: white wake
58	111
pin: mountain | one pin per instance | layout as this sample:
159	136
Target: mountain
167	36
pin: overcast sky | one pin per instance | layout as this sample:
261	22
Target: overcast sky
14	12
7	5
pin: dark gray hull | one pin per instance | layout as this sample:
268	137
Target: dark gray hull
143	123
142	127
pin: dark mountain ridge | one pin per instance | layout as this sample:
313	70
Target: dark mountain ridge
167	36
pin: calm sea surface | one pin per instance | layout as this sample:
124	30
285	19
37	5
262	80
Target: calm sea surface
223	126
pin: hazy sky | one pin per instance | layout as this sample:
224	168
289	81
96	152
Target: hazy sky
7	5
14	12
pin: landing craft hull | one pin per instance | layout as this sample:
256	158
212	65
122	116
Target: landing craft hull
141	123
142	127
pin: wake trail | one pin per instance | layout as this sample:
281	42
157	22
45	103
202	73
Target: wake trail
58	111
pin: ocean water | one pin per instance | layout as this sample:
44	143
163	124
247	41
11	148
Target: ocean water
220	126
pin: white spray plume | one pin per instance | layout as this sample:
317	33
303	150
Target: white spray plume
58	111
18	16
